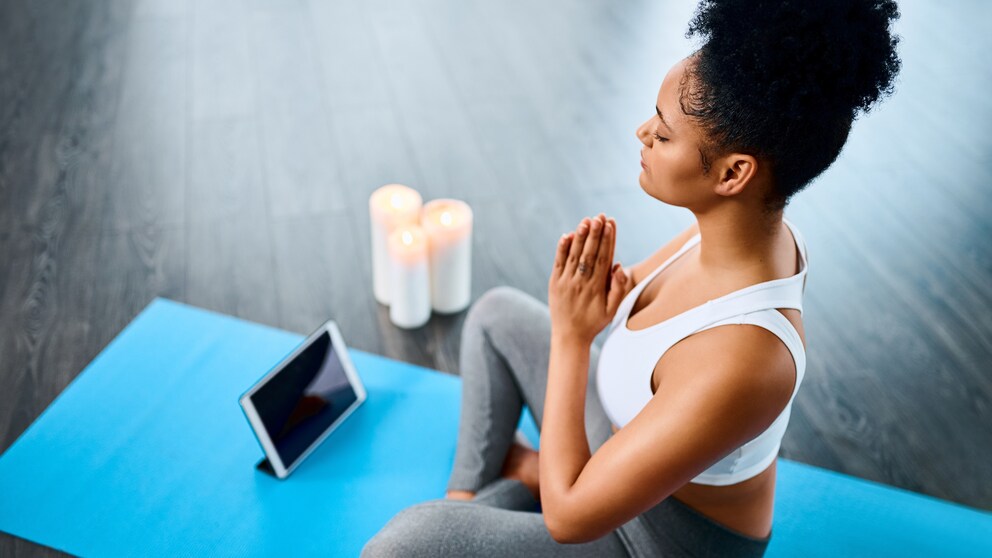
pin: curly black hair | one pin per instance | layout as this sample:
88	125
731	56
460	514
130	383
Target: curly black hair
783	80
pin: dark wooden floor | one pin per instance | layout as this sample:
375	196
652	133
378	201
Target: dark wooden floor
222	154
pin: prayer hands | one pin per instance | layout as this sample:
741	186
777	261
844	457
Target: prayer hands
586	287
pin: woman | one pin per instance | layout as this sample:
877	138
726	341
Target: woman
663	442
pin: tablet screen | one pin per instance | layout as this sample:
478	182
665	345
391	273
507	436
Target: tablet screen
302	400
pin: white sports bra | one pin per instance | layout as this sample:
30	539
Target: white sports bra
628	357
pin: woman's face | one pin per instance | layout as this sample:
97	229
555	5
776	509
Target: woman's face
672	166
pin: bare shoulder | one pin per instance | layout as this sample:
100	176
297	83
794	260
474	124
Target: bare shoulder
641	269
746	362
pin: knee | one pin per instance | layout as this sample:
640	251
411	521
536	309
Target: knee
495	306
383	545
408	534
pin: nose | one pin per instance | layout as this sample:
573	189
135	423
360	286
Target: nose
644	133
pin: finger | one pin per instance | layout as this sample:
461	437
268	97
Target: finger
609	279
575	250
618	289
613	242
590	252
561	254
604	259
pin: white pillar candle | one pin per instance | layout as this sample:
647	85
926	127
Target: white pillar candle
448	224
409	281
390	207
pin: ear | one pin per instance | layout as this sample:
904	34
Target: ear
736	172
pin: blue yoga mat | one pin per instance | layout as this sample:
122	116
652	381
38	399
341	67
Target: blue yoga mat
148	453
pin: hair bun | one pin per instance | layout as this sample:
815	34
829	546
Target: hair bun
800	58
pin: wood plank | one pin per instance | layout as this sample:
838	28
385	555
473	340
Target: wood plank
147	181
296	145
322	276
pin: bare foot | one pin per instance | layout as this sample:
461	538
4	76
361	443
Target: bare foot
460	495
522	464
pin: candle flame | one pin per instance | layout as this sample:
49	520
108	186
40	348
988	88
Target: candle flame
446	218
407	238
396	200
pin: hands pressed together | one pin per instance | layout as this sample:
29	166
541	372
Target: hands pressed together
586	286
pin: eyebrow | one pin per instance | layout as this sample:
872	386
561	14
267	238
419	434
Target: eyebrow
658	110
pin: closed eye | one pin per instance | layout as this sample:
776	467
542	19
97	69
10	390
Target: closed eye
659	138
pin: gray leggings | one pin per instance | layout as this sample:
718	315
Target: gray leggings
504	362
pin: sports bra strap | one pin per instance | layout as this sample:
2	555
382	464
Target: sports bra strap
801	241
787	295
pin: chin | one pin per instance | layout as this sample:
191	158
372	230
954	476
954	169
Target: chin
649	188
655	193
645	185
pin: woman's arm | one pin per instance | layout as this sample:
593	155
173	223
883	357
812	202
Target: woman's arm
564	446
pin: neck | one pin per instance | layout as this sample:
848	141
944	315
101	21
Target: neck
735	237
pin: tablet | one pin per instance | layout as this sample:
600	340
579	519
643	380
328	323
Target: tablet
300	401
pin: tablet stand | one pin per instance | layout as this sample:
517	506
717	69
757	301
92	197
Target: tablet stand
266	467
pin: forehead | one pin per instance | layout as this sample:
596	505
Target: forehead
668	96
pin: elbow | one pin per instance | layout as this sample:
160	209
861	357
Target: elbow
571	522
560	533
565	531
554	520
